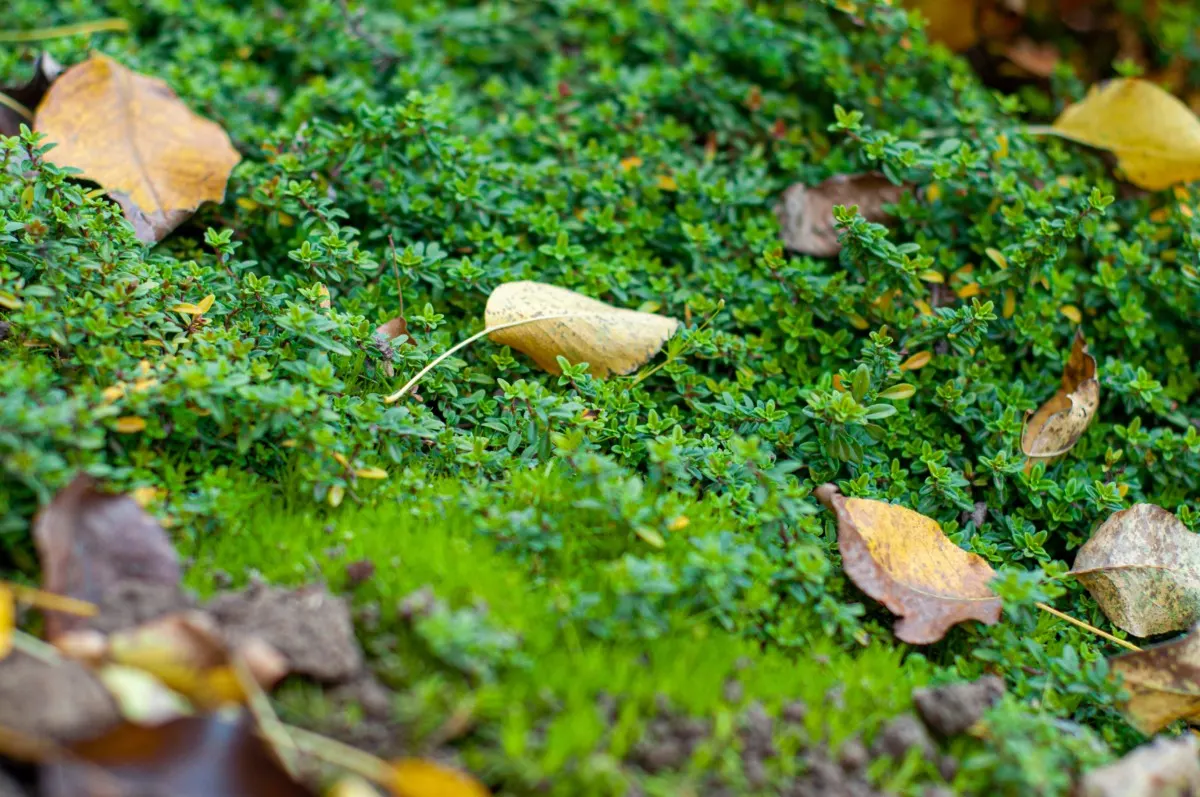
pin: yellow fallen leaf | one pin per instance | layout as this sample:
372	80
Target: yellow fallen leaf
631	162
1162	683
371	473
132	135
140	697
918	360
1155	137
1072	313
8	620
969	290
130	424
581	329
667	183
903	560
414	777
1059	423
951	22
932	276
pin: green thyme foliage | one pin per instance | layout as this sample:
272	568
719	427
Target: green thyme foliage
417	155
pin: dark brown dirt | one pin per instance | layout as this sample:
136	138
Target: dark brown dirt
309	626
950	710
63	700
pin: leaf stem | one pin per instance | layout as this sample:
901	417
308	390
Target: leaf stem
1123	643
115	24
17	107
399	394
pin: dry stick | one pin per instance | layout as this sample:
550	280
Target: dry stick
1088	627
399	394
116	25
341	755
269	725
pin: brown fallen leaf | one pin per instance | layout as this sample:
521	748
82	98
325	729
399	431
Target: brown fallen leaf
903	560
45	71
1143	567
1160	768
806	213
1154	135
1059	423
90	542
131	134
389	331
610	339
1036	58
1163	682
188	757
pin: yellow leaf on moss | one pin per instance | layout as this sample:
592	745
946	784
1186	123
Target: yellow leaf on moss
631	162
1072	313
1155	137
918	360
132	135
8	620
610	339
969	290
414	777
130	424
667	183
903	560
951	22
1162	683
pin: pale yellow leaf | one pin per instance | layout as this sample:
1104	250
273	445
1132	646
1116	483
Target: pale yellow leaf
130	424
414	777
8	620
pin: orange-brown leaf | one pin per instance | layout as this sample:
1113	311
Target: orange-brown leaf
1059	423
1163	683
131	134
903	560
806	213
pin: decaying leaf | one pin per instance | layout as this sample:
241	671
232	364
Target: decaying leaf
806	214
1155	137
131	134
1162	768
89	542
1143	567
609	339
1059	423
188	757
416	777
45	71
903	560
1163	682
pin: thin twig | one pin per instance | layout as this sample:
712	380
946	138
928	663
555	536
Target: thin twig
16	107
115	25
269	726
1088	627
334	752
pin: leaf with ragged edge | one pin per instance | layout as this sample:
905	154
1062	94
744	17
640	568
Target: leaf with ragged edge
1059	423
45	71
903	560
416	777
806	213
89	542
131	134
1155	137
1163	683
610	339
1143	567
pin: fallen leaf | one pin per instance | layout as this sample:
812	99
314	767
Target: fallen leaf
1162	767
89	542
1143	567
8	620
352	786
45	71
806	214
414	777
1059	423
390	330
1163	682
1036	58
610	339
950	22
187	757
903	560
1155	137
141	698
131	134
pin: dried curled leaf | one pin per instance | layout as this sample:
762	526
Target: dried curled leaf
903	560
1155	137
1059	423
132	135
1143	567
610	339
806	214
1163	683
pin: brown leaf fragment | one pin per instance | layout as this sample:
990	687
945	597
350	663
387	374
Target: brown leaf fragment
131	134
309	626
1143	567
58	700
90	542
1059	423
188	757
1161	768
806	213
45	71
903	560
1036	58
1163	682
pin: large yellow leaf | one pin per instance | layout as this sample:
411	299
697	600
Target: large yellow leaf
1059	423
903	560
609	339
1155	137
132	135
1163	683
